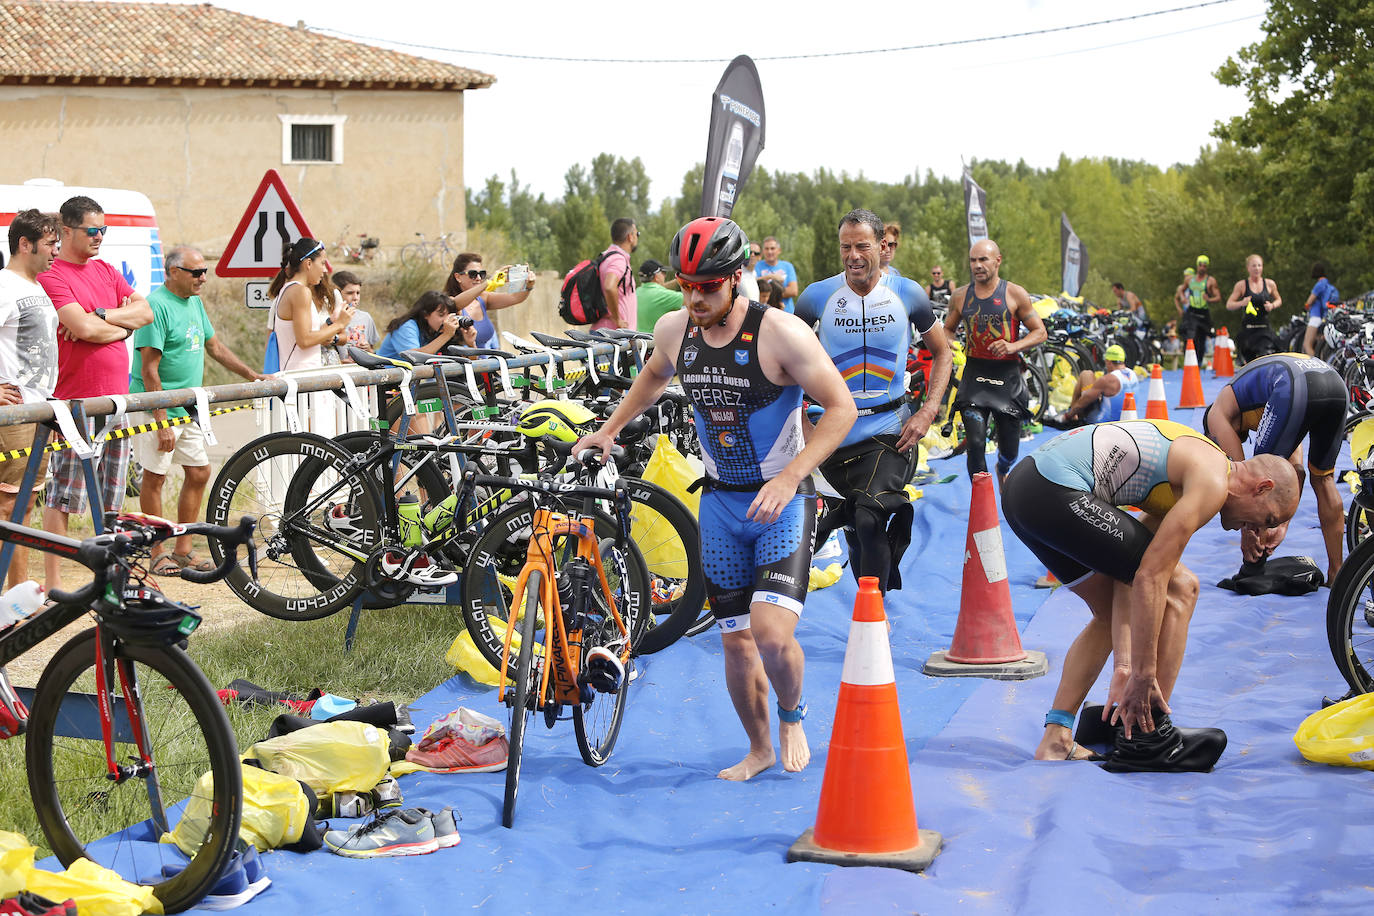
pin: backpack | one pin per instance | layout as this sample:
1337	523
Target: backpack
271	360
582	300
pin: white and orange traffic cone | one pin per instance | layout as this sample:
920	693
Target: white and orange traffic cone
1223	363
1191	395
867	813
1155	406
1128	407
986	643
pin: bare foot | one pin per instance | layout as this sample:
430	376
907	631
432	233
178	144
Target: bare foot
752	765
1057	744
796	753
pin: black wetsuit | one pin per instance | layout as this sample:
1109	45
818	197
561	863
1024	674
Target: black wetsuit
991	386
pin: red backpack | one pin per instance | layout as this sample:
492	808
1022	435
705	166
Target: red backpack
582	300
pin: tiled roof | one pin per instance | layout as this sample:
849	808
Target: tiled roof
64	41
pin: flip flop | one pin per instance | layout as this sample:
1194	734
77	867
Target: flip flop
189	561
1093	756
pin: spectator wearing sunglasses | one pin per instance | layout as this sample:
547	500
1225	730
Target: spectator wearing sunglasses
97	310
169	354
468	274
304	314
892	237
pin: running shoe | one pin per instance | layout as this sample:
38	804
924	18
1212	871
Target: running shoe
28	904
407	832
416	567
445	826
387	793
455	754
243	879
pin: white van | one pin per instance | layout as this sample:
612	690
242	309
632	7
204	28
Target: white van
132	245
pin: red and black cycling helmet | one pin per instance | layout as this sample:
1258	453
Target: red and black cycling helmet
709	246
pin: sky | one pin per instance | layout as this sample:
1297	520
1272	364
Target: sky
1137	89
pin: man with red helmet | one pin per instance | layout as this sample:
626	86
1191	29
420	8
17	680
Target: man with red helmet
745	368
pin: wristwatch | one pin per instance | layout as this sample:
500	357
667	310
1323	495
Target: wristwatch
100	313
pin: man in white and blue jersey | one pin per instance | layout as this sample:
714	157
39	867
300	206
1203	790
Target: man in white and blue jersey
1098	398
864	319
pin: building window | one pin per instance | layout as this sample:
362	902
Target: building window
312	139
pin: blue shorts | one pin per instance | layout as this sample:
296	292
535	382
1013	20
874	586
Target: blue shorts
745	561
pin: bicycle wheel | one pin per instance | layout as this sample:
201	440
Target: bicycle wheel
596	722
1039	390
1358	523
414	253
524	682
494	565
315	531
192	784
669	539
1350	618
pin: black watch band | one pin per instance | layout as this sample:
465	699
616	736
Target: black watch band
100	313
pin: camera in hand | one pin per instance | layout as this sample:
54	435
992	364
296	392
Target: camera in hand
464	322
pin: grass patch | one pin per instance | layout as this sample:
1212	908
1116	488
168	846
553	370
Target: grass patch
398	655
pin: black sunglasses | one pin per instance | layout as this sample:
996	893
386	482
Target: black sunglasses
196	272
477	274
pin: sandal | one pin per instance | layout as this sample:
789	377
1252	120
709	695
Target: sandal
166	565
189	561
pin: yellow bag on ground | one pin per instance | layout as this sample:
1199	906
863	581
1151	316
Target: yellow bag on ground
824	578
276	811
329	757
96	890
1361	438
16	861
1341	735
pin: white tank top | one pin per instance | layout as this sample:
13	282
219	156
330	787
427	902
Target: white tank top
294	356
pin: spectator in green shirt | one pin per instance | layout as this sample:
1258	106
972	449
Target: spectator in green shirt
656	298
170	354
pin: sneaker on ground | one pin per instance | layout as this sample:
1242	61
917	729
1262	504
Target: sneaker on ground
243	879
406	832
30	904
416	567
387	793
445	826
458	755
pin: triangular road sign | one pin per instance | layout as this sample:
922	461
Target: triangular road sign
270	222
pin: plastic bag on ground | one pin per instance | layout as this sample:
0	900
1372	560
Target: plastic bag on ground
96	890
330	757
1341	735
276	812
474	727
16	861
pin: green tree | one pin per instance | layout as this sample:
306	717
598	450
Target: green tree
1310	86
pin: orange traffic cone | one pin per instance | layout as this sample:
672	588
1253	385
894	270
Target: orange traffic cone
1223	365
1192	381
986	643
867	812
1155	407
1128	407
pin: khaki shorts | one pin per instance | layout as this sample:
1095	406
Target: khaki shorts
14	438
189	450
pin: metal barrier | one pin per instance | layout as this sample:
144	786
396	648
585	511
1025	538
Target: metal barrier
326	401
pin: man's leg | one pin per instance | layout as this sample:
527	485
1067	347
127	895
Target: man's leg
188	506
1008	443
1179	603
747	682
1082	664
975	439
54	522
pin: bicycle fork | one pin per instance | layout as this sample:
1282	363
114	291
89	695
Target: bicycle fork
142	765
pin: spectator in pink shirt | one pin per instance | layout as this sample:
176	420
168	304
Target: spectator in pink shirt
97	311
617	280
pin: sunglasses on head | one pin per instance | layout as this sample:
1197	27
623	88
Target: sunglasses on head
91	231
477	274
196	272
704	286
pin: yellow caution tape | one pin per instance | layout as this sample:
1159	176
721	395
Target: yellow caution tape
58	445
